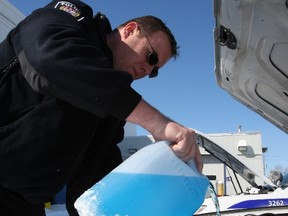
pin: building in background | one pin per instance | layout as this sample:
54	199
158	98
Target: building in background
9	17
246	145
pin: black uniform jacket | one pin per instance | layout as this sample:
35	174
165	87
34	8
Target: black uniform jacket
62	107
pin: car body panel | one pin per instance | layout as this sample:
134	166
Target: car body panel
251	55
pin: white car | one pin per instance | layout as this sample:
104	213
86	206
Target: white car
271	198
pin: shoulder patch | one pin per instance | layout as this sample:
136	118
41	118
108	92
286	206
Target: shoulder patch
68	7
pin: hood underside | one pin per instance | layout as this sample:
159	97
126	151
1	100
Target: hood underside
251	55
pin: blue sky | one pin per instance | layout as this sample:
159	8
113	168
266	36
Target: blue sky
186	89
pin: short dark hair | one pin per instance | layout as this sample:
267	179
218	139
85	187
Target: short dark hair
152	24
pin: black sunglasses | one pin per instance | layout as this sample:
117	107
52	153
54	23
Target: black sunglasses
153	60
152	57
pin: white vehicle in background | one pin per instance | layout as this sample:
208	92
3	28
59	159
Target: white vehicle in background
251	63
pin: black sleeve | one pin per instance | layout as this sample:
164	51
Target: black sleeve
57	59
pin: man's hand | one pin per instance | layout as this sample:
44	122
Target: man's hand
183	140
185	145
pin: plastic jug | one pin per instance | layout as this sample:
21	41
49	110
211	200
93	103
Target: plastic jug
153	181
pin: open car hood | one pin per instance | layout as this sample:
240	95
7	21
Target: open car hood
245	170
251	55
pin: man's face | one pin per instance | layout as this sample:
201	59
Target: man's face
137	47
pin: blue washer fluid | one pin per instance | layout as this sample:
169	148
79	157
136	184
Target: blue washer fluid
152	182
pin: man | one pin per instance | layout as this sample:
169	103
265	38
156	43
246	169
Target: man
65	96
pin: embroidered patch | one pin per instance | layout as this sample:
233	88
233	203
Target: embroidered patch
68	7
